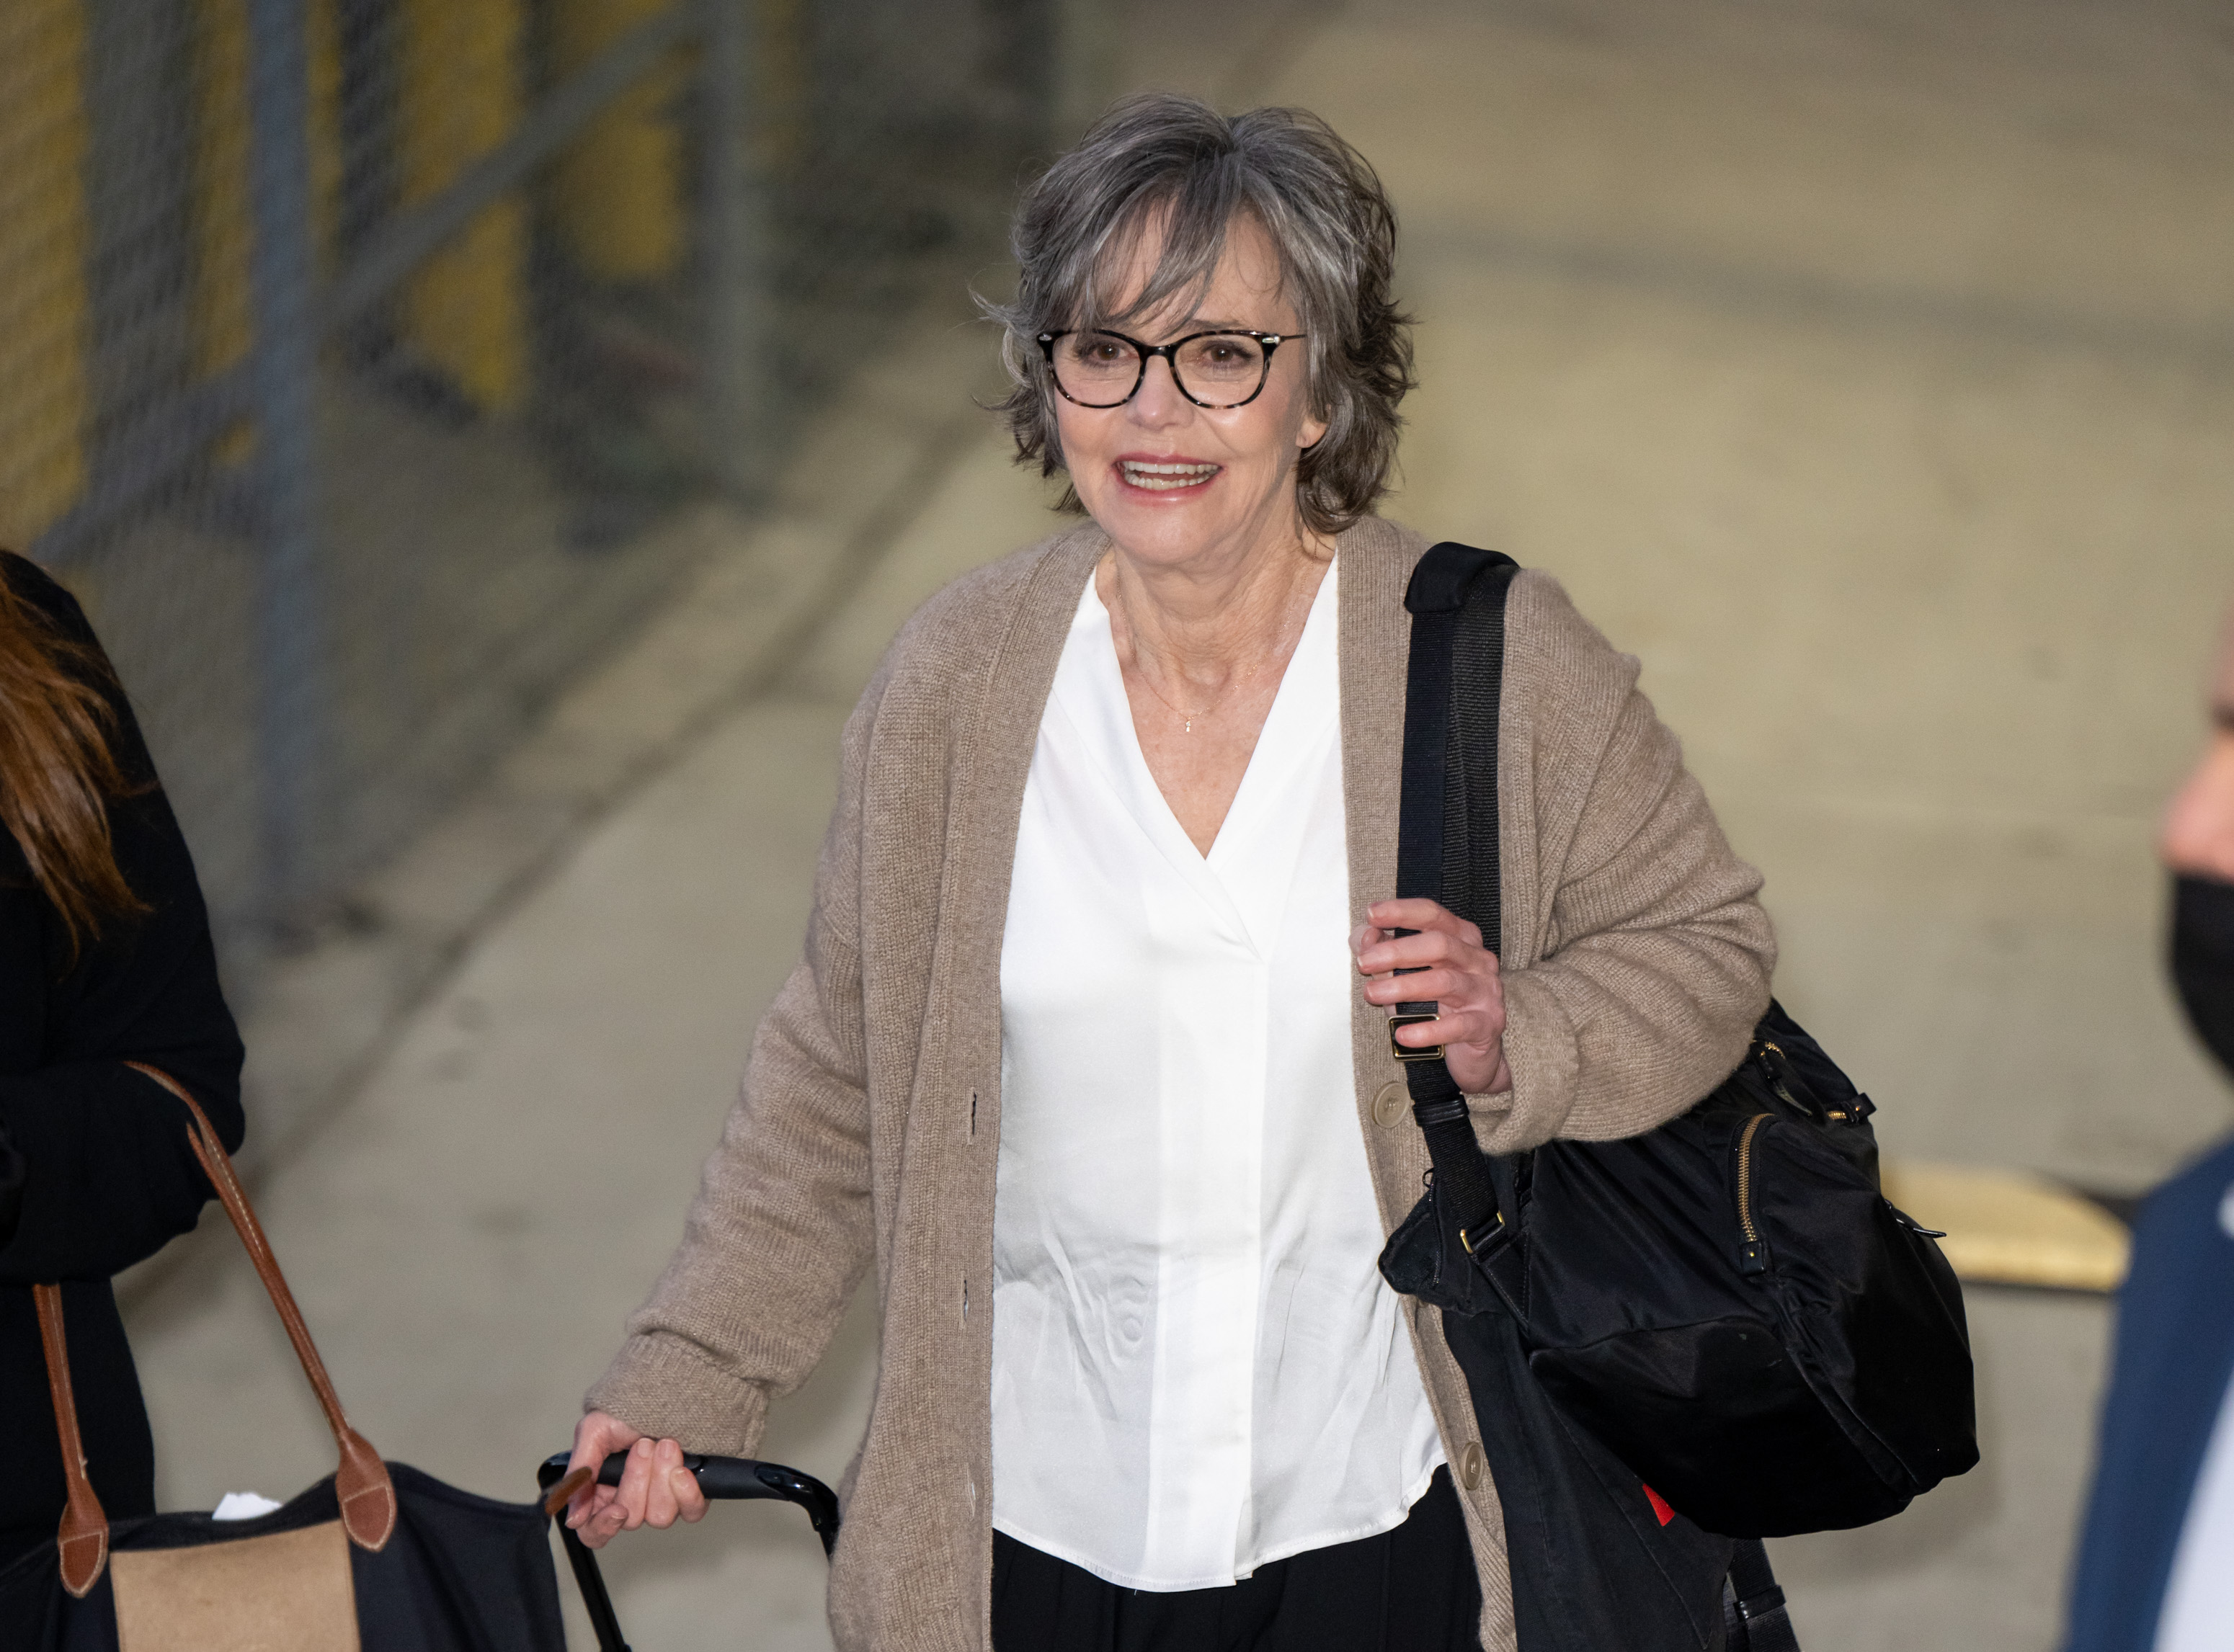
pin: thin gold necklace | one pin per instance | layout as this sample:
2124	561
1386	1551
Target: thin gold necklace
1185	717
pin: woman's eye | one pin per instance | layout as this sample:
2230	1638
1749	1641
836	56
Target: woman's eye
1225	355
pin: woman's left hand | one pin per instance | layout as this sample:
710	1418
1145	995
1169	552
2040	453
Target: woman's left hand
1458	976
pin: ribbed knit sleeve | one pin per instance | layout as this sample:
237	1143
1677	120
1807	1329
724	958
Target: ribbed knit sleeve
1648	958
779	1234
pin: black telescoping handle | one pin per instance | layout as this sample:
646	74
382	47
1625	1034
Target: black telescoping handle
723	1477
732	1478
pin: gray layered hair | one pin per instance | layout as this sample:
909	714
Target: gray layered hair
1174	160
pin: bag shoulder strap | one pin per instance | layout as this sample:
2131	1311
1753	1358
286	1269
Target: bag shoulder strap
1447	830
1754	1616
362	1484
1447	851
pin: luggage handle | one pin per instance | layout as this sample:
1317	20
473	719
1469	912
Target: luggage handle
724	1478
361	1486
718	1477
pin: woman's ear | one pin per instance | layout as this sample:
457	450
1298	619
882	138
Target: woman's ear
1318	419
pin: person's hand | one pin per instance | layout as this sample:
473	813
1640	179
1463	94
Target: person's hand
1459	977
2198	827
655	1490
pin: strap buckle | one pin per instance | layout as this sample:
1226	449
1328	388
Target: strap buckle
1405	1052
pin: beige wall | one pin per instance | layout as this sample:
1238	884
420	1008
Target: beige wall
1869	369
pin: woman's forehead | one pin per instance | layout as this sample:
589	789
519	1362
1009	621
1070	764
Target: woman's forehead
1146	281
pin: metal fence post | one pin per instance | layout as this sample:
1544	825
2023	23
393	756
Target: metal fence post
735	316
291	704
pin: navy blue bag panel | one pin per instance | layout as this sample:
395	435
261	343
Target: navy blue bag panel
1592	1563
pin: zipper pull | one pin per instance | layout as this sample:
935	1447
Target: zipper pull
1910	1223
1784	1078
1753	1257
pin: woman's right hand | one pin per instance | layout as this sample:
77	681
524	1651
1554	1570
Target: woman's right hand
655	1489
2198	828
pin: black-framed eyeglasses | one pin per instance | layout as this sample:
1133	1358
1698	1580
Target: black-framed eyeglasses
1096	368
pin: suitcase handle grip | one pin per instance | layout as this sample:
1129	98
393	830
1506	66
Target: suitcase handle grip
724	1477
718	1477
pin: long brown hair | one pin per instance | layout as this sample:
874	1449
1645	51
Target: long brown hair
57	770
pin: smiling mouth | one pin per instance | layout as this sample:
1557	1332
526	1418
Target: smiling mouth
1163	477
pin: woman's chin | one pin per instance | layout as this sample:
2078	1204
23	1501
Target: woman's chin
1161	537
1167	528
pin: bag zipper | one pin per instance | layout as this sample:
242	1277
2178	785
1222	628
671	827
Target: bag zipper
1752	1253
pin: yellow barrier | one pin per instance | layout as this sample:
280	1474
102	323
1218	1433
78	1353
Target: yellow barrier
616	192
224	325
782	86
223	300
326	170
43	312
2008	1227
458	96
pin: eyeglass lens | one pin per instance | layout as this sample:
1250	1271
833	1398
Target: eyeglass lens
1100	369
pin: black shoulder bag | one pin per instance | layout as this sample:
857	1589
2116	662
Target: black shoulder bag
1678	1344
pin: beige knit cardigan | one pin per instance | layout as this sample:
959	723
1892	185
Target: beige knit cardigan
868	1123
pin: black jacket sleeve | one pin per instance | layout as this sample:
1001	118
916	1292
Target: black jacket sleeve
108	1175
11	1188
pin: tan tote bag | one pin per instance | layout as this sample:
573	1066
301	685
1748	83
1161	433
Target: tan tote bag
376	1557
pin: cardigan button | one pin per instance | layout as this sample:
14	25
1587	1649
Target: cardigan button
1389	1106
1470	1464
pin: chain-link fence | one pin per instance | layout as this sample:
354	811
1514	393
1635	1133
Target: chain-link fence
351	350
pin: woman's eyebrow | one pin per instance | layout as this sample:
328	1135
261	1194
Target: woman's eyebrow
1194	324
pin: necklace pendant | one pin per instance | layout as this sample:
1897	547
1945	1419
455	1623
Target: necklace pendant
1190	725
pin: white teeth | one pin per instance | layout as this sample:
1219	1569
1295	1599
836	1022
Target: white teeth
1153	476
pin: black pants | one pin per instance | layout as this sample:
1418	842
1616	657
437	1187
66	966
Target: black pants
1412	1590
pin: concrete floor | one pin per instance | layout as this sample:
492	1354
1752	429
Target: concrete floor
1866	368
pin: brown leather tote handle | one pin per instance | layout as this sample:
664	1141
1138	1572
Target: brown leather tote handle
368	1498
83	1540
361	1484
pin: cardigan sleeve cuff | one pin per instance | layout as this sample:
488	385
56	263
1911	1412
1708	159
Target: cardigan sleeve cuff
669	1388
1540	1050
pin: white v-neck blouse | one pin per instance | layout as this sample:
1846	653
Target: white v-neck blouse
1197	1368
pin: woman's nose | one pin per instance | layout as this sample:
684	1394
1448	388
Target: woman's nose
1159	401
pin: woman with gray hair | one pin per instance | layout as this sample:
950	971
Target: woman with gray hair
1079	1057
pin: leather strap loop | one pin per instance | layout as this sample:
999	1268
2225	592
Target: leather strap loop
361	1483
83	1539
